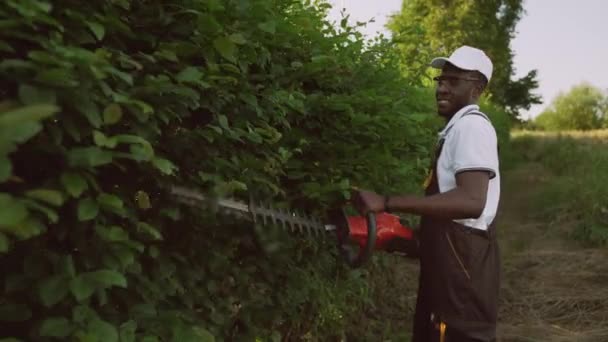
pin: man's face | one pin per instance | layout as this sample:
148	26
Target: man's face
456	88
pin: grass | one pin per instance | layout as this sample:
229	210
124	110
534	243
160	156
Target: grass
576	187
598	135
555	287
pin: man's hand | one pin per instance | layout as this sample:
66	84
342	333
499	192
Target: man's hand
367	201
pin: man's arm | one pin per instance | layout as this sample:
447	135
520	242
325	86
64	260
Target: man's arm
467	200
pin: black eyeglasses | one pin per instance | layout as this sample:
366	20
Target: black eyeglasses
453	80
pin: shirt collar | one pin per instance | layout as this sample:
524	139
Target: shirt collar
456	117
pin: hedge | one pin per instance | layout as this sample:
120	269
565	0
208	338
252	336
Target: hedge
105	103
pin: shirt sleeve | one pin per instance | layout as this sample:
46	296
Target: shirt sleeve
473	146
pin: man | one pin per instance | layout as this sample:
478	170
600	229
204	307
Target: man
459	257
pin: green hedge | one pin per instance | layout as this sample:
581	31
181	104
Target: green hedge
104	103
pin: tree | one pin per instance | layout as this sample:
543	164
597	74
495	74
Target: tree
582	108
428	28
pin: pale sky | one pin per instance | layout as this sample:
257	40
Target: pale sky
565	40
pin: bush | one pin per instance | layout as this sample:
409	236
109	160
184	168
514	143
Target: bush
584	107
104	104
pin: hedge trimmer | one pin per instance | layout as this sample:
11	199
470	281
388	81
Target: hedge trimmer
357	237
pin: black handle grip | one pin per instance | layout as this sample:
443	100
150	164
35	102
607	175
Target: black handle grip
358	258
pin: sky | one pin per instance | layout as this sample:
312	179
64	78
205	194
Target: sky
565	40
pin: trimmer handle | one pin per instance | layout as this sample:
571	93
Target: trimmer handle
358	254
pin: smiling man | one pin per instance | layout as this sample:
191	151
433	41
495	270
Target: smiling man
459	256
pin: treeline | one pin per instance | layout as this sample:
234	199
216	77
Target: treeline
583	107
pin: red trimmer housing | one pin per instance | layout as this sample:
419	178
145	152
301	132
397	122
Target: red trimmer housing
391	235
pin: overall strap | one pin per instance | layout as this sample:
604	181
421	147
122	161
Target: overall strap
470	112
474	112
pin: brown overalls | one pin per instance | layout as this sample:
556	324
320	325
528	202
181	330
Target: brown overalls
459	279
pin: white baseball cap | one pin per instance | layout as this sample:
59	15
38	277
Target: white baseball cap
467	58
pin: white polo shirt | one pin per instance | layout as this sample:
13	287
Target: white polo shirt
470	143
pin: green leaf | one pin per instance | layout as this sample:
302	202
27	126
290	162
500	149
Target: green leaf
55	327
112	114
110	201
14	312
238	38
52	197
226	48
125	255
30	95
223	121
208	24
192	334
58	77
153	252
98	30
26	114
73	183
269	27
82	314
17	133
89	156
11	210
66	266
6	168
230	67
104	331
132	139
107	278
189	75
88	108
141	152
127	331
102	140
276	336
142	199
82	287
143	106
87	209
163	165
31	227
4	243
112	234
50	213
149	231
53	289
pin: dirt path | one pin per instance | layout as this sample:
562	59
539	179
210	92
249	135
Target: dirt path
553	289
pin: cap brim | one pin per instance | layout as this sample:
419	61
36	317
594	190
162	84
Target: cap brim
439	62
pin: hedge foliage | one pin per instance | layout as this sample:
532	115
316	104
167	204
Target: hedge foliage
104	103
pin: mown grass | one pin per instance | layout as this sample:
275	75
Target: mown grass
575	188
